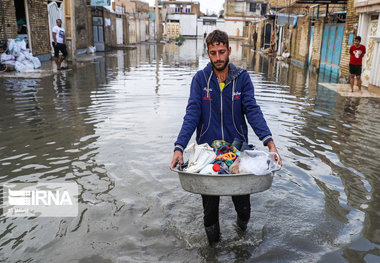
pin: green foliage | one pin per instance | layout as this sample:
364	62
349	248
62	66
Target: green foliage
180	39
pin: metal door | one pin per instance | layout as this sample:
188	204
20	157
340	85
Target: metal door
97	28
332	49
119	31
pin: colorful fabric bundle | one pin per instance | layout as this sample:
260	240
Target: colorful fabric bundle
225	152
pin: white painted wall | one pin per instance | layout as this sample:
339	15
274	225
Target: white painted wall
209	28
188	23
234	28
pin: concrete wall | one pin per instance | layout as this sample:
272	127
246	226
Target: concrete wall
126	29
367	6
132	31
83	27
110	31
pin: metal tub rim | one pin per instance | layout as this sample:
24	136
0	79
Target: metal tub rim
225	184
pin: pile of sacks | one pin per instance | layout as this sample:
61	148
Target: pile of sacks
19	57
225	158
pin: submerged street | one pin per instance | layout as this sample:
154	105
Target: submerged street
110	125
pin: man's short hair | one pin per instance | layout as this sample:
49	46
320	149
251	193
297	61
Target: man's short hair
358	38
217	36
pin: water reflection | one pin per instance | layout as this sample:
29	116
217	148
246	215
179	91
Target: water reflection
110	126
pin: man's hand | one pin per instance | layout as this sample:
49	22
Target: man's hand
177	157
272	148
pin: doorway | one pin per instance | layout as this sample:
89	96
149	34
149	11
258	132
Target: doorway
22	22
97	29
55	11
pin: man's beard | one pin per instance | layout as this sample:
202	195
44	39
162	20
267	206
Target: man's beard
223	66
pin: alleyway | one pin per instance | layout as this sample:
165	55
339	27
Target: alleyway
110	124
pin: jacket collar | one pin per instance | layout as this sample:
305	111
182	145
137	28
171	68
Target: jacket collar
233	72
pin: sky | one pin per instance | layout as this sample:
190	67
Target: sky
213	6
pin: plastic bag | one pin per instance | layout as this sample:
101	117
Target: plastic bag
258	162
36	62
91	50
25	66
200	156
6	57
234	168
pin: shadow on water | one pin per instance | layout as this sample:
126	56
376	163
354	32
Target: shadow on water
110	126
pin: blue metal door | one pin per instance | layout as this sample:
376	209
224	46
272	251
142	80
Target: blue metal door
97	29
331	51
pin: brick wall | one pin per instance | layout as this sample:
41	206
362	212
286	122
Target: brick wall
8	21
352	18
317	43
300	40
39	27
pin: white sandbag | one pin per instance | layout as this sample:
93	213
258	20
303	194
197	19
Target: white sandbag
25	66
36	62
200	156
6	57
11	45
19	66
10	63
22	44
91	50
20	58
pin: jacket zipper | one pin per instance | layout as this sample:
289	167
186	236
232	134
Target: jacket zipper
208	96
221	110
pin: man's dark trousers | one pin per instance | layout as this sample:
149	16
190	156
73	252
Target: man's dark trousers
211	208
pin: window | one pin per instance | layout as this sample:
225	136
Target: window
252	7
263	9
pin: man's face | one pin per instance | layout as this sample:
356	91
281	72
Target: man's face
219	55
357	42
59	22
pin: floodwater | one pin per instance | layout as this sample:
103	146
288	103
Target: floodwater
110	126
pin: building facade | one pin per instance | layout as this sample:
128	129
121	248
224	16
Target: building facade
19	19
185	13
369	30
239	13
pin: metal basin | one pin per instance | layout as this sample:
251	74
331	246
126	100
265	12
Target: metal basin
224	184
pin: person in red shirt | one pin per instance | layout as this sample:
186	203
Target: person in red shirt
357	52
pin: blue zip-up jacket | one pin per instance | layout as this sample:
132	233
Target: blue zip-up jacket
220	115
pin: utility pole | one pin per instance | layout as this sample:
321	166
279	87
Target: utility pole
157	23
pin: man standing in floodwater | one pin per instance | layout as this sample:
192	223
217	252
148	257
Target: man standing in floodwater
357	51
221	97
59	44
254	37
